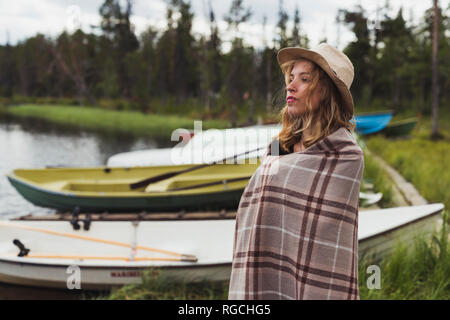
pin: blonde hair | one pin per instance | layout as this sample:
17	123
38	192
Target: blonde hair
323	120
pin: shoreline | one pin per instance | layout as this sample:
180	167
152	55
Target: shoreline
109	121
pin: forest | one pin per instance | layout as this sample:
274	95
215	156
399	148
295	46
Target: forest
173	69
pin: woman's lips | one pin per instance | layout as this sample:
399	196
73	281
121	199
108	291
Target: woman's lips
290	99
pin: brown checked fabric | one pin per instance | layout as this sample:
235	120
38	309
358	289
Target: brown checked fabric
296	231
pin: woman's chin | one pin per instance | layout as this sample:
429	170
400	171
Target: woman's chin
294	110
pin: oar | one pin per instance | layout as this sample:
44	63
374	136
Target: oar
164	176
80	257
186	257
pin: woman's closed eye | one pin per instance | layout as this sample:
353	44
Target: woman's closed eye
302	79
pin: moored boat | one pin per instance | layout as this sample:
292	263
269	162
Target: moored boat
112	253
371	122
204	146
218	186
400	128
380	230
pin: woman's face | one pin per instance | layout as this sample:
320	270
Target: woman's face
299	81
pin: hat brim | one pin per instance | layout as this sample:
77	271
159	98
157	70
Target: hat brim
289	54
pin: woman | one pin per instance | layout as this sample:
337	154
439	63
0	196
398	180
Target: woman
297	222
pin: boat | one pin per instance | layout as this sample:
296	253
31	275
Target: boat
106	189
369	199
400	128
371	122
379	231
204	146
99	189
114	253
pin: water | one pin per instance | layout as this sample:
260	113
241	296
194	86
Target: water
37	144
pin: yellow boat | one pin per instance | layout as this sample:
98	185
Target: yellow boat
100	189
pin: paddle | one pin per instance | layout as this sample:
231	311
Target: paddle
81	257
164	176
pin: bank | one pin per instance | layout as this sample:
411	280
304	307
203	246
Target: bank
110	121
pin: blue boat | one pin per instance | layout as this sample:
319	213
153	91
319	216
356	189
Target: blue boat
371	122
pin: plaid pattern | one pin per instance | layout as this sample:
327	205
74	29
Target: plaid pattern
296	231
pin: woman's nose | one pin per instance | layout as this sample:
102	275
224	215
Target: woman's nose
291	87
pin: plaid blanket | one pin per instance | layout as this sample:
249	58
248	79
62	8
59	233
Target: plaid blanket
296	231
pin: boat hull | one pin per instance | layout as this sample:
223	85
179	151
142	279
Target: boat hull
106	278
400	129
380	231
371	123
205	146
102	189
64	202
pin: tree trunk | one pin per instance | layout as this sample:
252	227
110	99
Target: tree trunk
396	97
251	97
251	113
233	116
76	75
434	68
269	83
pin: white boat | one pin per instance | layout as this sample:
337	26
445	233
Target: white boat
379	231
113	253
212	145
204	146
105	258
369	199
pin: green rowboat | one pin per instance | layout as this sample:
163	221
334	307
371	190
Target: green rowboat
400	128
102	189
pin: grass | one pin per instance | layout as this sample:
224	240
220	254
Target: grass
424	163
153	288
421	161
128	122
374	174
192	108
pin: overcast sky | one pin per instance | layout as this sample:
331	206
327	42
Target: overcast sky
20	19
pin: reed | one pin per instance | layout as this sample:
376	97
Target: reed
128	122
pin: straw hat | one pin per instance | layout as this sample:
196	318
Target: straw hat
335	63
